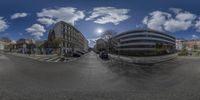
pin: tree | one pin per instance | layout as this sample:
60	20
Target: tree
195	47
54	43
184	50
108	36
51	44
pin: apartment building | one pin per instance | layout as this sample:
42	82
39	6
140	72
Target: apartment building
70	39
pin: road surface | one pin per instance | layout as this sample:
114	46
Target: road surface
90	78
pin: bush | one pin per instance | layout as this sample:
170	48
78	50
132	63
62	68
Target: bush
183	53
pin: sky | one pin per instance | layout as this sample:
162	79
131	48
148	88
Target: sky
34	18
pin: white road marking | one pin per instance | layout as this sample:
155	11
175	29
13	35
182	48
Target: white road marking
3	57
53	58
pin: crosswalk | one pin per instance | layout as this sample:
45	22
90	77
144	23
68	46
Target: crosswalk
3	57
46	58
51	58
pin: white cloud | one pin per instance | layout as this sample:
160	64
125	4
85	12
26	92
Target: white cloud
197	25
104	15
37	30
164	21
13	41
20	33
92	41
185	16
46	21
3	24
175	10
19	15
156	20
181	22
195	37
173	25
67	14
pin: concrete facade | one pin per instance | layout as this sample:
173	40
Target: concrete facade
179	45
2	45
100	45
72	40
145	43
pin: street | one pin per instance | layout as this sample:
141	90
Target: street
91	78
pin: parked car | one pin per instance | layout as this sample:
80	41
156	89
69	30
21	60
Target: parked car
76	54
80	52
103	55
97	52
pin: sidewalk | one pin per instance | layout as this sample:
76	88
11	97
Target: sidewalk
144	60
44	58
25	55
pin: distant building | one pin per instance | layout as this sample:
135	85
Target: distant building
25	45
100	45
70	39
191	44
145	43
5	39
6	44
188	45
3	45
198	44
180	45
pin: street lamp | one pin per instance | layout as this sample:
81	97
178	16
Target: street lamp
24	48
60	49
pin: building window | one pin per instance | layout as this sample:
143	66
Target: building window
64	36
63	44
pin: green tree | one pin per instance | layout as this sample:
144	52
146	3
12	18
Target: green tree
54	43
195	47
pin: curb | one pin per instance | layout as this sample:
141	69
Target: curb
145	60
30	57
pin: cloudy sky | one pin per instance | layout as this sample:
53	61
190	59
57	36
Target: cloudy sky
33	18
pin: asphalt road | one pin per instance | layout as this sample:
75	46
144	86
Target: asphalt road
90	78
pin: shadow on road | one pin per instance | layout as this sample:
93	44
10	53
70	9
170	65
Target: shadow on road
158	76
142	71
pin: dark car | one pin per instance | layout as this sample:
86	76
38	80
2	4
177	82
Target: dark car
103	55
76	54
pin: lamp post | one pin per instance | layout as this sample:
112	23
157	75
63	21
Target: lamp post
60	49
24	48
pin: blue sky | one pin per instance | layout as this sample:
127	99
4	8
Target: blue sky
33	18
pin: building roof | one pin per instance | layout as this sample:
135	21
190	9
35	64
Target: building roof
4	43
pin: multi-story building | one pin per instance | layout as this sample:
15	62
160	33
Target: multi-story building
191	45
3	45
6	45
145	43
180	45
6	39
188	47
25	45
71	39
100	45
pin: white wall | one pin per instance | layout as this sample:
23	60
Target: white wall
1	46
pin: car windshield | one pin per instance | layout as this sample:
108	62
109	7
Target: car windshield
99	50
